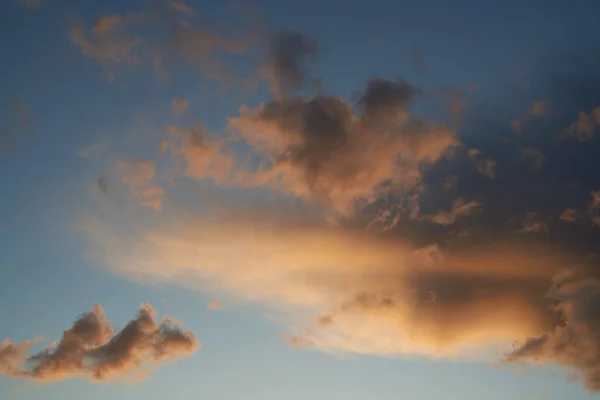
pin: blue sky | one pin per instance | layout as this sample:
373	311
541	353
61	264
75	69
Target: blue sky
168	231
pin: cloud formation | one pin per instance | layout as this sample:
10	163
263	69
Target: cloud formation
91	349
323	148
575	343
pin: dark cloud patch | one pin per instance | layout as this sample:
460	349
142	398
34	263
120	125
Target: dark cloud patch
286	56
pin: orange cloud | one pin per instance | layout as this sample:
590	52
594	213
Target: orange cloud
367	293
138	176
91	349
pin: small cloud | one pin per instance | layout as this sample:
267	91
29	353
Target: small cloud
532	225
179	107
585	126
485	166
569	215
138	175
537	109
214	305
536	155
95	151
460	208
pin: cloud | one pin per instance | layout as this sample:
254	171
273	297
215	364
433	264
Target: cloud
574	343
214	305
108	43
160	35
323	148
531	224
537	109
92	349
585	126
286	54
569	215
138	176
536	155
460	208
179	106
378	295
485	166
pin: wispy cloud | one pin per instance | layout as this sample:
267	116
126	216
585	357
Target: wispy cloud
138	176
460	208
537	109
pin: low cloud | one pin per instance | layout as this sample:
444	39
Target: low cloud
91	349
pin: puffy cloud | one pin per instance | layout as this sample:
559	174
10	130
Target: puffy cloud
585	126
91	349
138	176
326	149
537	109
575	343
286	54
179	106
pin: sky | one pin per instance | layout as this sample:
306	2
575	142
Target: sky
291	200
